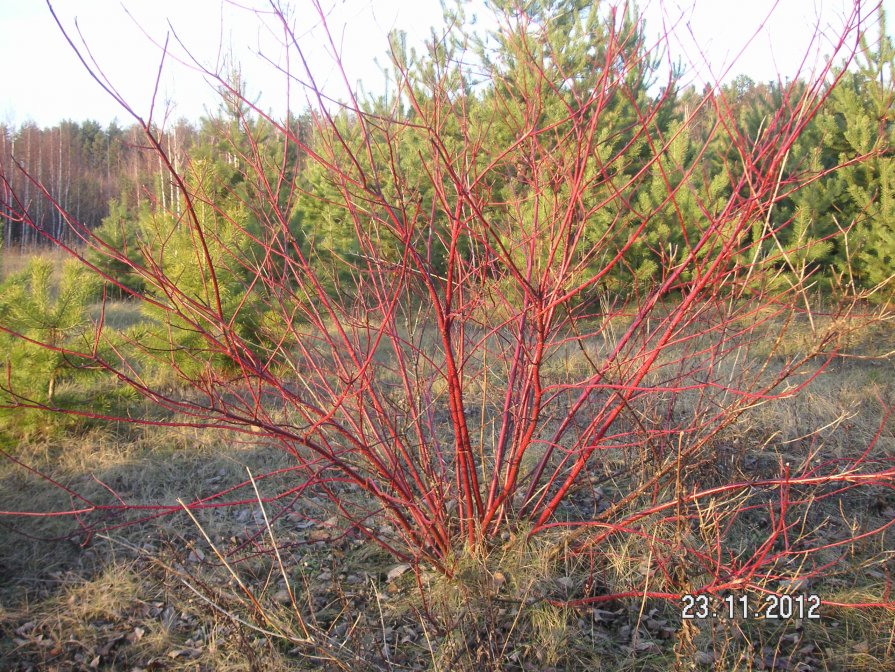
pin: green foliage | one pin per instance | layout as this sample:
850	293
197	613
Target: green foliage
32	305
550	74
118	232
856	131
565	44
51	325
327	228
196	343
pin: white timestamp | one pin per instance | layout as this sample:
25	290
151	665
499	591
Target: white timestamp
770	607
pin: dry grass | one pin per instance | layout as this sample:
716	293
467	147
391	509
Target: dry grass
125	603
119	314
14	260
154	596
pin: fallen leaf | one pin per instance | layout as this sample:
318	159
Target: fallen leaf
794	585
647	645
190	652
654	624
25	628
667	632
396	571
107	647
704	657
603	615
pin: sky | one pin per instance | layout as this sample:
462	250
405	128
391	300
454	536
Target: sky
44	82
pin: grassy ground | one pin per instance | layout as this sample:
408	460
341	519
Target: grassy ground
14	261
154	596
173	593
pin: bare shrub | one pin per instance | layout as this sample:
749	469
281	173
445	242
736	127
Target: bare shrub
520	299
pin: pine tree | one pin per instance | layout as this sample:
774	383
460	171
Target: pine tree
55	316
858	121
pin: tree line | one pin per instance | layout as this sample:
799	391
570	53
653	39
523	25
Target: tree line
81	171
838	178
82	165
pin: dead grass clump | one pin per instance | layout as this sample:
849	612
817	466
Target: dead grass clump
127	617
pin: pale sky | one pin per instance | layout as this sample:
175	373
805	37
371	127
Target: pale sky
44	82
